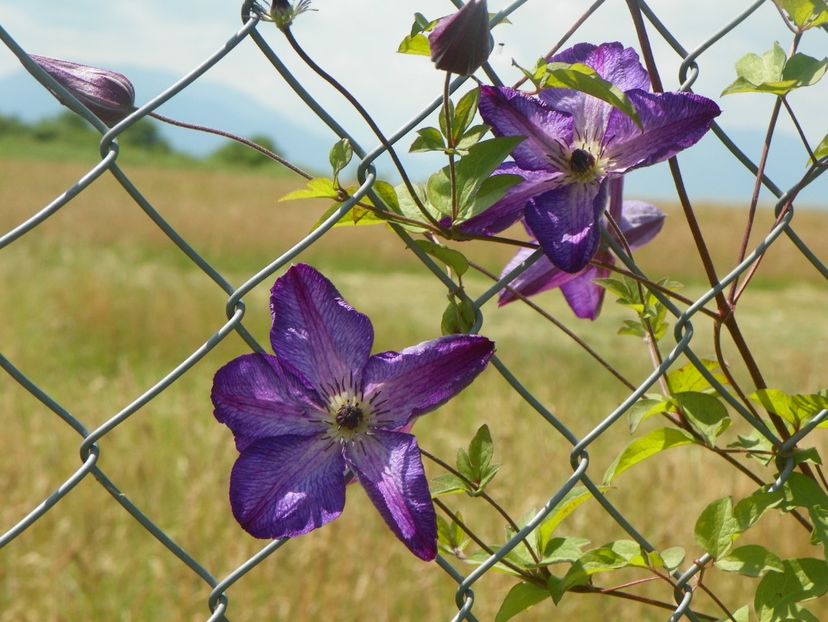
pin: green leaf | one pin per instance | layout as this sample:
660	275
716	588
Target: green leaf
458	318
749	510
758	446
428	139
481	449
447	485
808	406
773	73
612	556
802	491
717	527
821	151
585	79
805	13
408	207
673	557
475	133
450	257
464	114
416	45
646	407
339	157
778	593
776	402
441	117
751	560
450	537
316	188
470	173
561	550
742	614
357	216
571	501
520	598
491	190
388	195
689	378
705	413
645	447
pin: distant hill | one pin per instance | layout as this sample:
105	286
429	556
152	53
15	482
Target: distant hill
711	173
205	102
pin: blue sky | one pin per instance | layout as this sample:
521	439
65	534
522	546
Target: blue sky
355	41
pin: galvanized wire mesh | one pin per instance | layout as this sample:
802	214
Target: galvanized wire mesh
90	449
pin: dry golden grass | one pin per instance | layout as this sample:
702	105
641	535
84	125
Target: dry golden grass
99	305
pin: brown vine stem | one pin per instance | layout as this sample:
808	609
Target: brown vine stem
584	589
244	141
367	117
603	362
725	310
483	495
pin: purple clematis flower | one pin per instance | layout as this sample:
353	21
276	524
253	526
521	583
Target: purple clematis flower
323	406
638	221
461	42
108	94
576	143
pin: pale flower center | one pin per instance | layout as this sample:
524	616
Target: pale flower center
349	416
585	163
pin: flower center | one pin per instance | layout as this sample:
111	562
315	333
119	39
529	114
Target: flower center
349	416
581	161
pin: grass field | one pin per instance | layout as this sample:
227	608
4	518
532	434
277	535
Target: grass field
98	305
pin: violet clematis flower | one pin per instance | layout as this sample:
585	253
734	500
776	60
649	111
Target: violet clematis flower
324	406
638	221
576	143
108	94
461	42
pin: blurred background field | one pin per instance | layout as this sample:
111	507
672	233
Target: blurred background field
98	305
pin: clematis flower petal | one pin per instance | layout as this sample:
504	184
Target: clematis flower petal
539	277
389	467
255	397
584	296
508	210
671	122
565	222
284	486
421	378
512	113
640	222
461	42
315	332
614	63
108	94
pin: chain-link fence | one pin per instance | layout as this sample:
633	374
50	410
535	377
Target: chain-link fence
646	21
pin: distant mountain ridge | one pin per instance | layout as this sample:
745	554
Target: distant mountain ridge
710	173
204	102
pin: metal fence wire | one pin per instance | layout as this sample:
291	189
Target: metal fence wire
90	444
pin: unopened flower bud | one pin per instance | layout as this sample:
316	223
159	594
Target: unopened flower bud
283	12
460	43
109	95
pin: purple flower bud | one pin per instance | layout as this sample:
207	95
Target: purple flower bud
460	43
109	95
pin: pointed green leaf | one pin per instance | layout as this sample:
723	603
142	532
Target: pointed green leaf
464	114
490	192
804	70
451	538
481	161
778	593
717	527
751	560
646	407
773	73
645	447
316	188
447	485
458	318
450	257
416	45
388	195
472	136
705	413
559	550
778	403
749	510
673	557
585	79
339	156
612	556
520	598
805	13
428	139
821	151
571	501
759	448
689	378
481	449
408	207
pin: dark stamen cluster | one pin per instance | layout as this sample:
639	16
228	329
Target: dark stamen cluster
581	161
349	416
